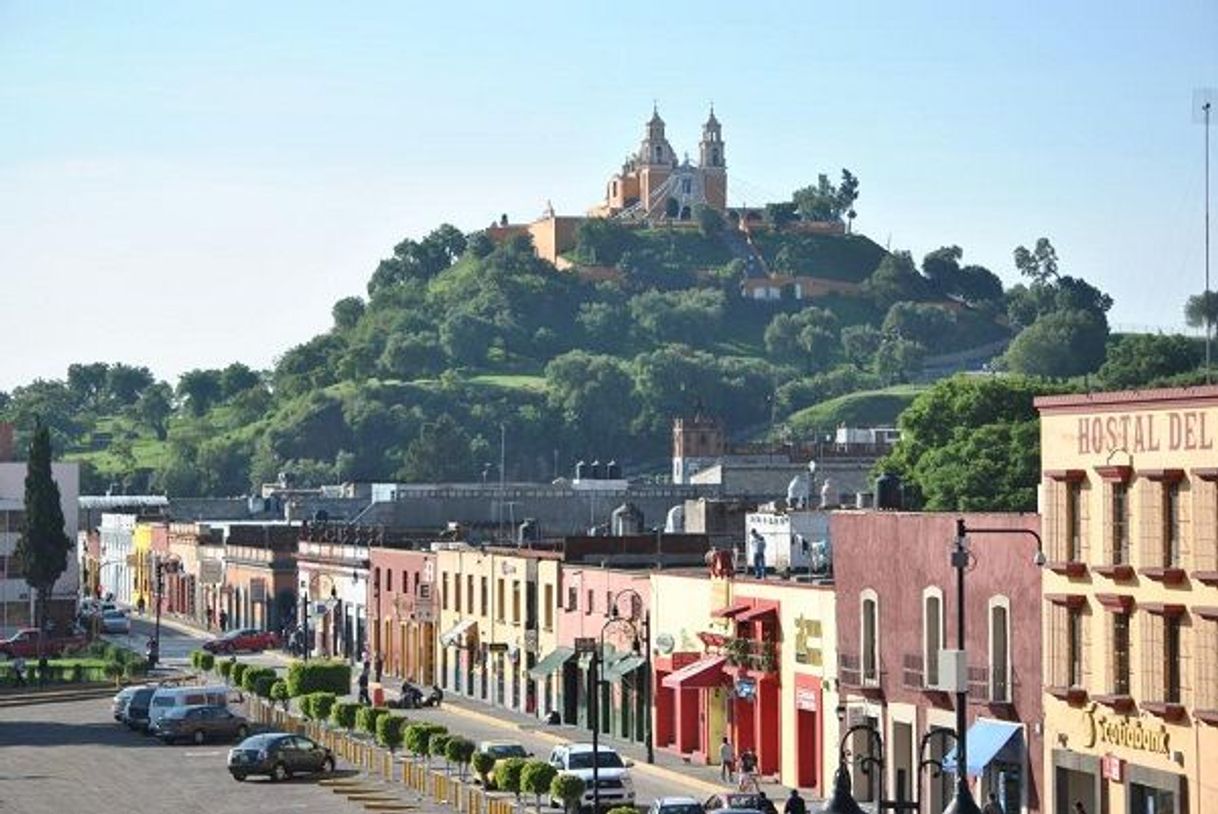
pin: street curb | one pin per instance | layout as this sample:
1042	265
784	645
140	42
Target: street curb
643	768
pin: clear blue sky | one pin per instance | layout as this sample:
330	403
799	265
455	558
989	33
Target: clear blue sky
183	185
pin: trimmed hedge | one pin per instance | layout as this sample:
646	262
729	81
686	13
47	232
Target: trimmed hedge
570	789
365	718
249	679
439	744
263	684
536	777
331	676
418	738
226	668
343	714
195	655
483	763
279	692
207	661
507	774
623	810
390	731
459	750
237	673
316	706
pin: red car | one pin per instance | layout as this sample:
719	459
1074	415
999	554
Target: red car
250	640
24	643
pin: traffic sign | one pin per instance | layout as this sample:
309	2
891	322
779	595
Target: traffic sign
585	644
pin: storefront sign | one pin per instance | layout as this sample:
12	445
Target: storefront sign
1112	768
585	644
211	572
1146	432
1124	732
746	688
805	699
807	641
530	641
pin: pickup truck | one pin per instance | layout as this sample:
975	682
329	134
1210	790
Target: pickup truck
24	643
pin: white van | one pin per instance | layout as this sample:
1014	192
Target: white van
166	698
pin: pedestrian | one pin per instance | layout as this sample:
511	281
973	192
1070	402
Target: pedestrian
18	665
727	760
139	606
746	778
1078	807
758	555
223	620
380	667
992	806
795	804
364	698
765	804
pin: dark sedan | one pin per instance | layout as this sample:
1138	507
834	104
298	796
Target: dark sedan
278	755
201	723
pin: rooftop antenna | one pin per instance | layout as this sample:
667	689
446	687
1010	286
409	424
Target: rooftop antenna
1203	100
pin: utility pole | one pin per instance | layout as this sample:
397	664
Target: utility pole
502	477
1209	322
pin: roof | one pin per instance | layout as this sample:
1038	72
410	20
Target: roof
121	501
1161	397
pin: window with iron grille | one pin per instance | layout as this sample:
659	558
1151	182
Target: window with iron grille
1171	525
1120	524
1074	521
1000	652
871	656
1120	654
1074	646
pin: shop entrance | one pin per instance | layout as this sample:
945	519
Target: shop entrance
1073	786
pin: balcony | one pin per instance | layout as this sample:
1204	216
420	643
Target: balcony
750	654
851	672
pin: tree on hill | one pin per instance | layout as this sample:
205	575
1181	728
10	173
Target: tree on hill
602	241
826	202
778	215
709	220
1059	345
593	393
125	383
808	338
898	359
88	382
236	379
43	546
421	259
931	326
440	454
1039	264
859	344
1139	360
200	389
347	312
896	278
154	408
1200	309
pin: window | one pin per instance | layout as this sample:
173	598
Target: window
515	601
932	634
1171	525
376	579
870	638
482	603
591	601
572	598
1171	659
1120	654
608	603
500	601
444	590
1205	637
1000	649
389	580
1068	643
1162	673
469	594
1074	647
1065	517
457	592
1120	523
1074	521
548	604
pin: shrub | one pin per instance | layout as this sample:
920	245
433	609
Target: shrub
483	762
195	655
226	669
536	777
249	678
418	738
459	750
264	684
343	714
323	702
439	745
570	789
237	672
207	661
114	670
365	718
135	669
279	692
507	774
623	810
305	677
390	730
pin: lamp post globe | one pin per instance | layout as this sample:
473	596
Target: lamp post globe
842	801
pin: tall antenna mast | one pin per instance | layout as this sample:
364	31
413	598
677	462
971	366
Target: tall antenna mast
1203	100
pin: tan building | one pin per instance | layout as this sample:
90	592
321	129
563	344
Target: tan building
1129	497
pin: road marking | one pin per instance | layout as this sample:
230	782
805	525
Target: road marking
203	754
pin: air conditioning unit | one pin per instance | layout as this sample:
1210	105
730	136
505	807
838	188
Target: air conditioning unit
953	671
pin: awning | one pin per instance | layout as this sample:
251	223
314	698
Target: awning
628	663
732	609
706	672
988	740
455	633
553	660
757	611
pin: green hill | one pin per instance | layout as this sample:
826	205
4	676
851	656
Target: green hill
850	258
871	408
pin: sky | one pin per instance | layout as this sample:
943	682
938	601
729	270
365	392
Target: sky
187	184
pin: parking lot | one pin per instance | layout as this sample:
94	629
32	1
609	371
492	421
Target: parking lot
73	757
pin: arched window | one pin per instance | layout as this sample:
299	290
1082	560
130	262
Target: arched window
389	579
1000	649
714	158
932	634
659	152
870	636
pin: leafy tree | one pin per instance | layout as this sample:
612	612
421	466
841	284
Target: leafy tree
49	404
418	260
279	692
507	775
465	337
411	355
236	379
895	279
459	751
592	391
535	779
124	383
1059	344
977	284
347	312
88	382
942	268
898	359
483	763
994	467
200	389
931	326
440	453
601	324
847	194
570	789
1040	264
390	731
1138	360
1201	308
602	241
709	220
154	408
809	337
778	215
677	316
43	545
859	344
479	245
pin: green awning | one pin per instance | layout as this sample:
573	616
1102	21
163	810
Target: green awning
552	661
627	664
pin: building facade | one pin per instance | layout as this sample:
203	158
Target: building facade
897	609
16	598
260	575
1129	495
332	562
403	608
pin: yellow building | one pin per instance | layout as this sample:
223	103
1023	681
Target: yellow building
750	660
488	632
142	587
1130	502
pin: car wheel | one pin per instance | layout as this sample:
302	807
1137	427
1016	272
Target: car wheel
239	777
242	732
199	736
280	773
327	765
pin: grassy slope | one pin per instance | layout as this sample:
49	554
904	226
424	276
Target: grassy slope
869	408
835	257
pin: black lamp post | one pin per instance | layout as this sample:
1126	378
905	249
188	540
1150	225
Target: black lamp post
934	764
842	801
594	684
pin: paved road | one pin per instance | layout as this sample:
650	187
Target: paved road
74	759
176	645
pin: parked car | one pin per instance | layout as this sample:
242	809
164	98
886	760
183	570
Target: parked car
119	703
24	643
732	800
676	805
244	640
199	724
615	785
115	621
136	713
278	755
168	698
503	749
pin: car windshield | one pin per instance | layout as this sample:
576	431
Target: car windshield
113	615
681	808
583	760
163	701
141	696
501	750
749	801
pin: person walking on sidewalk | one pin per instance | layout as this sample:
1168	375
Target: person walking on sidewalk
727	760
747	778
795	804
18	665
364	698
764	804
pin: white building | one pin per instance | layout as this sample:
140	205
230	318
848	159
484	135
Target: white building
16	598
115	564
795	539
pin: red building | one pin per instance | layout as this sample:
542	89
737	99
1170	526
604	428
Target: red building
403	608
896	609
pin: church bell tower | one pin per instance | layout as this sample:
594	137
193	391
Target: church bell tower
712	162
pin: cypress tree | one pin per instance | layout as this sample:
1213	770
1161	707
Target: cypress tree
43	546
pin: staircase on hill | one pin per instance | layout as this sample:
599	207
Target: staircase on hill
743	249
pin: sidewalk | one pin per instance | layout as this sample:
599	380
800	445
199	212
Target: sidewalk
668	767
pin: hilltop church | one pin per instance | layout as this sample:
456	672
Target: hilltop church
653	184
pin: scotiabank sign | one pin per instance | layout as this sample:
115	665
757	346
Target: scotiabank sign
1177	431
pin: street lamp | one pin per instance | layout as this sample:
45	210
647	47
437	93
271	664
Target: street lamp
842	802
160	565
639	648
